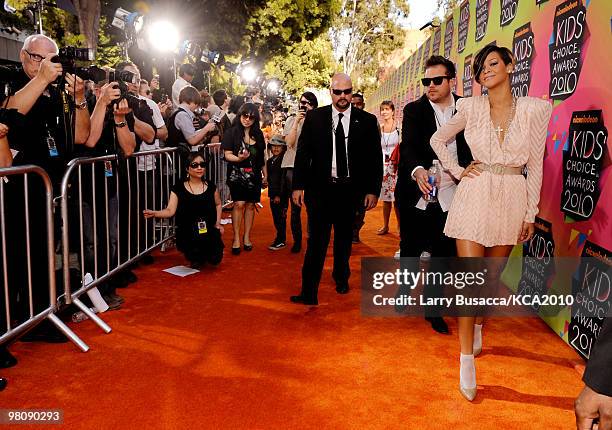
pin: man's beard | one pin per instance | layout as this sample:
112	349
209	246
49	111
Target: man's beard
342	103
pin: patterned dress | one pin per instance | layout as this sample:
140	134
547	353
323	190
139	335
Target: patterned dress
388	142
490	208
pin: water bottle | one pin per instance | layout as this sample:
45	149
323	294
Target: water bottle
433	178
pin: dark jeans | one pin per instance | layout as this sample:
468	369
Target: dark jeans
296	211
279	215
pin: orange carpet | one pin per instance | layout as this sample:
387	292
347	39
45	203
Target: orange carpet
225	349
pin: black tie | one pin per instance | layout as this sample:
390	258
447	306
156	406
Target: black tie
341	165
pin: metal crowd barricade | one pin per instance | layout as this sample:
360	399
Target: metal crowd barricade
112	231
217	171
12	177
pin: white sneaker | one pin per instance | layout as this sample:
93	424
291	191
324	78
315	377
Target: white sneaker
425	256
397	254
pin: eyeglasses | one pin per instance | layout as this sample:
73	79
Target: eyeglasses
248	116
338	92
437	80
195	165
34	57
305	102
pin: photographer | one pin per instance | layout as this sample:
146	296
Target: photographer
181	131
53	105
291	134
48	146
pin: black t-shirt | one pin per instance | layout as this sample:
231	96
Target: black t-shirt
233	140
41	136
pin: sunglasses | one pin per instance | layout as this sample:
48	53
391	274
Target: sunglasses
347	91
437	80
248	116
305	102
195	165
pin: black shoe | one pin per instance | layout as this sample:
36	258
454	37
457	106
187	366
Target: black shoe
438	324
297	247
356	238
130	277
147	259
113	304
3	383
342	287
276	245
6	358
304	300
236	251
196	265
248	247
49	335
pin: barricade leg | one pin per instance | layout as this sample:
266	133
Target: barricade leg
69	333
92	315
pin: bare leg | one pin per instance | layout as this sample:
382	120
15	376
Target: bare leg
237	212
396	210
386	215
249	217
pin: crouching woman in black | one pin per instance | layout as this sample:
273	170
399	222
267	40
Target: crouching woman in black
197	206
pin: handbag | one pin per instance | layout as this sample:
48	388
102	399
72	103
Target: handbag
242	176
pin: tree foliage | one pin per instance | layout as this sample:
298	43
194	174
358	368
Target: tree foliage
363	31
308	63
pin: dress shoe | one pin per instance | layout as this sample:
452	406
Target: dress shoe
468	393
130	277
248	247
46	335
342	288
6	358
147	259
236	251
438	324
304	300
195	265
3	383
113	304
297	247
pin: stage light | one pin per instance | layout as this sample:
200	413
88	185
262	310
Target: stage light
163	36
130	22
248	73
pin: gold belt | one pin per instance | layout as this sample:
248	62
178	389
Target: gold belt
500	169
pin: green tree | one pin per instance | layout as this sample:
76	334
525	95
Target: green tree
363	32
308	63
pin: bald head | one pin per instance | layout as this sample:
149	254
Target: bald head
35	48
341	80
341	91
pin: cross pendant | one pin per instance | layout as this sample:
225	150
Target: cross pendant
498	129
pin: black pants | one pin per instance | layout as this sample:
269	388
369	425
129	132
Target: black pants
333	207
279	215
423	230
296	211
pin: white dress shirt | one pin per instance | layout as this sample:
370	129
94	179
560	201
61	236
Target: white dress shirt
346	121
447	188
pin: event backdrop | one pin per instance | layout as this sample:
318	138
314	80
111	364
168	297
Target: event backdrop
563	50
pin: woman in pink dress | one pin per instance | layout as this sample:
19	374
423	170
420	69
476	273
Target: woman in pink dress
494	207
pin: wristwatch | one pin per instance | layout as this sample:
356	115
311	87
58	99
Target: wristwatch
82	105
121	124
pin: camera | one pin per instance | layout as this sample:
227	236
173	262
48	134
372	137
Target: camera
69	55
303	109
217	118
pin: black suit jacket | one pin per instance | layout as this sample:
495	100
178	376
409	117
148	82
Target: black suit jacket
598	373
418	125
313	160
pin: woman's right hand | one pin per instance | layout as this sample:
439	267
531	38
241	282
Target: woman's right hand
148	213
243	154
471	171
3	130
